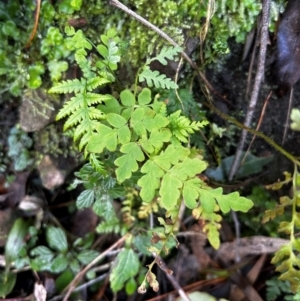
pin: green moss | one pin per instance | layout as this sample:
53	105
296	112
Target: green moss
47	58
51	141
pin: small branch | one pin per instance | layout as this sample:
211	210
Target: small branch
254	132
257	83
36	22
81	287
172	279
237	227
70	288
261	117
286	125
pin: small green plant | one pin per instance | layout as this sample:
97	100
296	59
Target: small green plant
132	143
59	256
19	149
23	64
276	288
286	258
15	242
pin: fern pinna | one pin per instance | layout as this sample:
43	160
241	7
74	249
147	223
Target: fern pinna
148	150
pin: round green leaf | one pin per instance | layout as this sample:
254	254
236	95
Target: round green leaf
127	98
103	50
144	97
10	29
76	4
125	267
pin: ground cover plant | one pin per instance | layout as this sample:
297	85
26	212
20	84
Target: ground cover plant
148	162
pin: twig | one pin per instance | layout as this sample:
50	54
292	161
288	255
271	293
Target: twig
253	56
286	126
36	22
74	282
237	227
262	114
172	279
192	287
81	287
257	83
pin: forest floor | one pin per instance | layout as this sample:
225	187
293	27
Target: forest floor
236	272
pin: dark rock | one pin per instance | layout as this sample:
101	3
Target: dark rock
287	67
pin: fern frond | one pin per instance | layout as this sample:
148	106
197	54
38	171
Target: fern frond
96	82
83	117
95	113
96	163
128	218
70	106
147	208
86	126
80	56
163	110
166	53
83	142
81	100
156	79
76	117
112	226
80	110
94	98
79	41
127	206
85	65
181	127
69	86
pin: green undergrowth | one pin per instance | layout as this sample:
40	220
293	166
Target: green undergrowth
286	258
31	62
139	153
139	147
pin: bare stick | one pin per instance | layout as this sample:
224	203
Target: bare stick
286	125
74	282
237	227
81	287
258	79
261	117
172	279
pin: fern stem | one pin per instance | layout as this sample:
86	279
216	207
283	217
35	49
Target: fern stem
294	209
74	282
136	80
257	133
